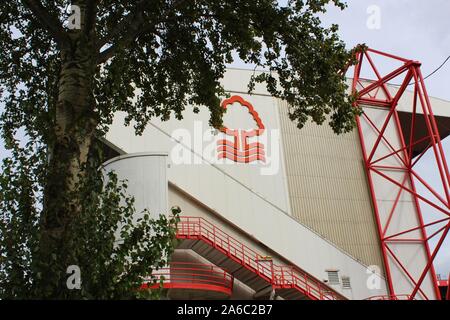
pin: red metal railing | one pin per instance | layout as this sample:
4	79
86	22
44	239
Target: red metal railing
281	277
391	297
185	275
445	284
292	277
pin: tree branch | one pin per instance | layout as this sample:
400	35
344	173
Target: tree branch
131	20
108	53
133	25
49	22
91	14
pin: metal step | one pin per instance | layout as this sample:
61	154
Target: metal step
233	266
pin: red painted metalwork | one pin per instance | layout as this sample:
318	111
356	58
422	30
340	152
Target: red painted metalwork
448	288
239	150
196	276
391	297
444	284
377	94
280	277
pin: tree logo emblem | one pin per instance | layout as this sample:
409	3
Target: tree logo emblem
240	150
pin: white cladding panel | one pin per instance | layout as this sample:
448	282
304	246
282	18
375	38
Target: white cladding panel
191	145
146	175
328	187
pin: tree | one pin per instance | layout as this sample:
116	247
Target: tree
101	261
64	74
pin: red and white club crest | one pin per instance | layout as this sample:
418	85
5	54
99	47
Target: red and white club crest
239	150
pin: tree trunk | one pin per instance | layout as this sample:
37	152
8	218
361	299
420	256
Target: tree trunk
75	123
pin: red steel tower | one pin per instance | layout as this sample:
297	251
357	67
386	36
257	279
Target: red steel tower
395	133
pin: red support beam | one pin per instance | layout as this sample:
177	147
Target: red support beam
448	288
399	162
356	76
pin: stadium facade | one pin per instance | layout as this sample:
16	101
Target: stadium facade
273	212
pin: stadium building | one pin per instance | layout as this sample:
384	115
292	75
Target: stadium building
273	212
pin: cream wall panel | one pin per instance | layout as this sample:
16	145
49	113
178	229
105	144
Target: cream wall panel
328	188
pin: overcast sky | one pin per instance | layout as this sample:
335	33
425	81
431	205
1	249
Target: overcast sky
415	29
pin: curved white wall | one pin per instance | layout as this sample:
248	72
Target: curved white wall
146	174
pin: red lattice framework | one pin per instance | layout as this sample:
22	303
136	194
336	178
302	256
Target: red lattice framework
397	143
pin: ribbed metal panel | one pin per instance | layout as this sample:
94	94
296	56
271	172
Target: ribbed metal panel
327	184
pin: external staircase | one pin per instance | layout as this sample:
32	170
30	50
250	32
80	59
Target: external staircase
253	269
